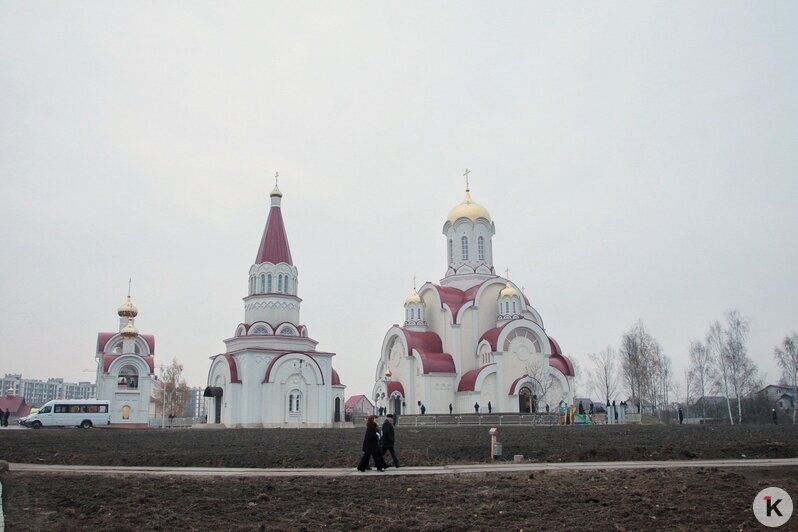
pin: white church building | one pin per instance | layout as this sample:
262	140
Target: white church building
126	369
471	340
271	374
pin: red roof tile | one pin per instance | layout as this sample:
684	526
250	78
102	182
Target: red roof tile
274	243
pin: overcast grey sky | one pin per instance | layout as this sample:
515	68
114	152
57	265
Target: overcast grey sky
638	158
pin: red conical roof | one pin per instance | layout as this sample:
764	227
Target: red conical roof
274	243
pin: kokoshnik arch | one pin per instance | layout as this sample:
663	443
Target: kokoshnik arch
472	339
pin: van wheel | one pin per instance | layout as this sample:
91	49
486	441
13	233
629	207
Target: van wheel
37	424
86	424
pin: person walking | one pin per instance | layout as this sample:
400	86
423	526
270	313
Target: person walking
476	408
423	409
6	416
371	447
775	416
681	416
387	440
490	407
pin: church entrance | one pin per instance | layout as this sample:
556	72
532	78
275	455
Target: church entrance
216	393
397	406
525	400
337	409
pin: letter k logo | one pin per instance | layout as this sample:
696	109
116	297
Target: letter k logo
771	506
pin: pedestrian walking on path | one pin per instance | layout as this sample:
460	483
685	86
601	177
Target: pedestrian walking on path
371	447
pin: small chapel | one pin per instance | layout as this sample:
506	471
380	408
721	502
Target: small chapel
472	342
126	369
271	374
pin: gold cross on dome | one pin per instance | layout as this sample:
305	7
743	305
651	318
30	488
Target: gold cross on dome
507	274
466	176
276	175
414	282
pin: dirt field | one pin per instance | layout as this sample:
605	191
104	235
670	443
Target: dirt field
683	499
416	446
686	499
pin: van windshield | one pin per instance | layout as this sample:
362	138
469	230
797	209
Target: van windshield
45	410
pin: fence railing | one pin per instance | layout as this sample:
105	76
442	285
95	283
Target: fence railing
442	420
174	423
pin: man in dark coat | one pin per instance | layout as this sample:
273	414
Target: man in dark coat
371	447
387	440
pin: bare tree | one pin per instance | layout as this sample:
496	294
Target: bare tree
538	370
737	374
716	345
689	391
172	396
702	372
787	357
604	377
639	353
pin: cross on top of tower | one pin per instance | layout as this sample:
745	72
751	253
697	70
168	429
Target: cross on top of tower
467	171
507	274
414	282
276	176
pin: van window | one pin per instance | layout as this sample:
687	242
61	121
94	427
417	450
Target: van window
45	410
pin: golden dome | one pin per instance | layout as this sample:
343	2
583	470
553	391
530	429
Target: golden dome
276	191
128	309
414	298
508	291
468	209
129	330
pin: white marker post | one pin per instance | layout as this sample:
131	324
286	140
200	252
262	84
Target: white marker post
494	434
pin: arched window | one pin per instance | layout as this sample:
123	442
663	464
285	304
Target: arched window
262	283
451	250
412	313
514	311
128	378
481	248
287	290
251	284
464	246
298	408
280	283
291	403
269	283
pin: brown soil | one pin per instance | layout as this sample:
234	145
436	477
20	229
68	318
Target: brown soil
416	446
654	499
694	499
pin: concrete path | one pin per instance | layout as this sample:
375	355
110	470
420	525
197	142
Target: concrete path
436	470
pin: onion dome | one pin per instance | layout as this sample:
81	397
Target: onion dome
414	298
388	374
508	291
128	309
468	209
276	192
129	330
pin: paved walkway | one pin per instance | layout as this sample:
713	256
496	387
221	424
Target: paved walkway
436	470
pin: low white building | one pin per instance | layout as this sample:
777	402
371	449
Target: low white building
271	374
126	369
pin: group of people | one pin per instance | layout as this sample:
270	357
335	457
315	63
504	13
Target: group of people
376	443
4	417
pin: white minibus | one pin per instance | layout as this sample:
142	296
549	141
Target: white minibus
84	413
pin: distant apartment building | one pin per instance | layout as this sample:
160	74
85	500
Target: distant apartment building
37	392
195	407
